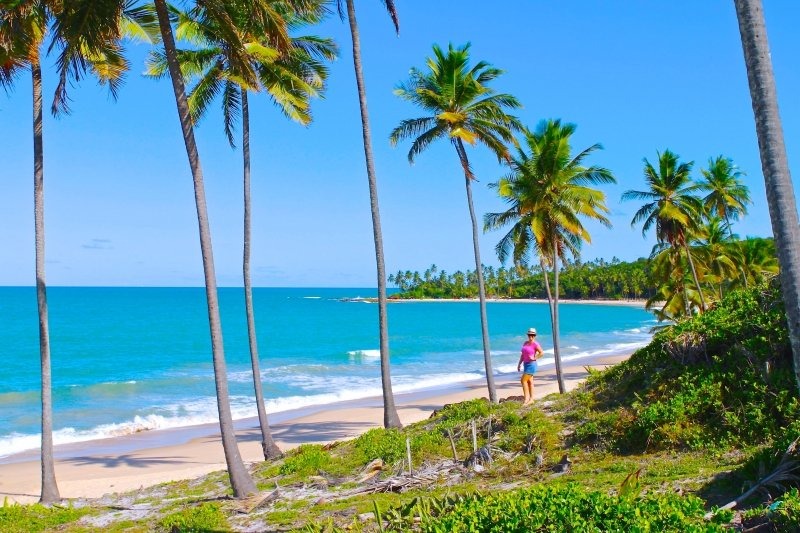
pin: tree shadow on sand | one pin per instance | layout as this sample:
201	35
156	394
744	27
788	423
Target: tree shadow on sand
126	460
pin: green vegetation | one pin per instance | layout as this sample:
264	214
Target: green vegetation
204	517
722	379
614	280
597	279
33	518
308	459
556	509
784	514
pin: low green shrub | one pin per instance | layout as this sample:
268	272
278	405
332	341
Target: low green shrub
530	428
565	508
785	514
16	518
723	378
386	444
455	414
428	444
204	518
306	460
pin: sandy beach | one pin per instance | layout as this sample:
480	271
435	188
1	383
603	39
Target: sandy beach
92	469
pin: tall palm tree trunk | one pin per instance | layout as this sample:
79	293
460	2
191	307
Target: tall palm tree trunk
268	446
390	416
556	332
551	302
675	258
50	492
774	164
241	482
487	354
694	276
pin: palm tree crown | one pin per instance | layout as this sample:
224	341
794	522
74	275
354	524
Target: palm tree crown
670	201
727	196
549	190
462	106
290	78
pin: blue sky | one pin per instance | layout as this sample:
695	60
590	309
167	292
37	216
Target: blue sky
637	77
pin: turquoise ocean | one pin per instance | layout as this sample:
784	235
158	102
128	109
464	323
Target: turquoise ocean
127	360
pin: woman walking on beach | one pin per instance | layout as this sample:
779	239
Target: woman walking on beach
531	352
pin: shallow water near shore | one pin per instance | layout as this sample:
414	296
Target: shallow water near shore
127	360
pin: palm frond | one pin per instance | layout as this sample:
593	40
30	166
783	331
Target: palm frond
231	108
410	128
204	91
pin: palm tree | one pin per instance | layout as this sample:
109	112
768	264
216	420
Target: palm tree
549	191
727	196
87	35
390	416
758	260
290	79
241	482
463	108
672	206
673	289
716	249
22	31
774	164
21	34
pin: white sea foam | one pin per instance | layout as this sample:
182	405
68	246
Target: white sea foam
619	348
312	297
242	376
204	410
200	411
365	354
413	383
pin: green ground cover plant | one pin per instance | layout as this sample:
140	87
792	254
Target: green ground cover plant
16	518
205	517
569	508
306	460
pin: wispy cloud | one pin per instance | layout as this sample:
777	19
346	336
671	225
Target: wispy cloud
98	244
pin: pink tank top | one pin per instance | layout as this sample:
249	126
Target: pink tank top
529	351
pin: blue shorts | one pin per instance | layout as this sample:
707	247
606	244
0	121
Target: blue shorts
529	368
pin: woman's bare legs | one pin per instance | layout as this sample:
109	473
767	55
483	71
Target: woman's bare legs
527	388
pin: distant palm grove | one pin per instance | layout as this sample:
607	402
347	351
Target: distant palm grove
597	279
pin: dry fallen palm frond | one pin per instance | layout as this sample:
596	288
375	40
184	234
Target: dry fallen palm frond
426	475
785	473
